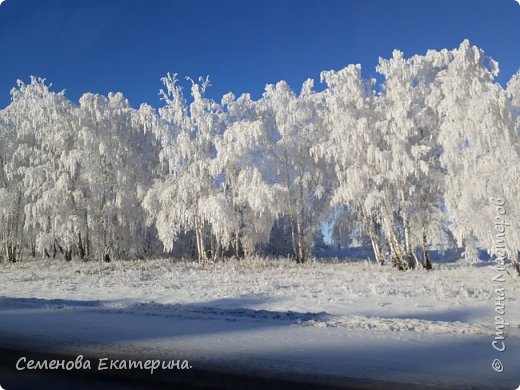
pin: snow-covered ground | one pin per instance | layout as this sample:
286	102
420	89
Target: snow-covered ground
326	317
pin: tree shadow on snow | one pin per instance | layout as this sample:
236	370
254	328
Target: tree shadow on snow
248	338
98	321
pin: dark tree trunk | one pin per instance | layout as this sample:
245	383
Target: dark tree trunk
81	247
516	267
426	263
11	253
106	255
397	258
372	232
58	245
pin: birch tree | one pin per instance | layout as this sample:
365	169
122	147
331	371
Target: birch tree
414	181
245	170
293	121
355	149
119	158
186	198
41	135
480	148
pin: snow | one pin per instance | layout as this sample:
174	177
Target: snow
325	317
423	159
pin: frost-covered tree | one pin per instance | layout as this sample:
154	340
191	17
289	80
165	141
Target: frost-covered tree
11	206
406	164
413	207
119	158
35	191
479	148
399	154
293	122
513	90
244	168
188	198
354	147
73	177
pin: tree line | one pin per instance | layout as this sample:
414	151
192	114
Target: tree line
403	165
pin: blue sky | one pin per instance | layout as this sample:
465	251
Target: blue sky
128	45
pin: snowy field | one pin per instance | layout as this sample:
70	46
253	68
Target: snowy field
326	317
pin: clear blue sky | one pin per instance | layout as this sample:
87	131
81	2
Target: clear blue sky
128	45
